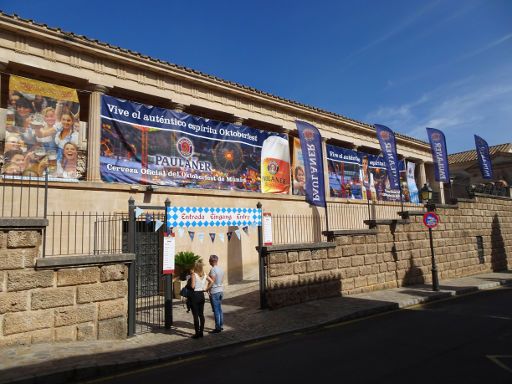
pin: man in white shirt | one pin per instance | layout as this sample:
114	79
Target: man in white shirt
216	293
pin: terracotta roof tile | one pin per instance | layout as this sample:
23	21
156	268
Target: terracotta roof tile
468	156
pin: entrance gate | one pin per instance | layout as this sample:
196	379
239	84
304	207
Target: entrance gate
149	291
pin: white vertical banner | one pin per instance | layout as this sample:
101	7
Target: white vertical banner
267	228
169	251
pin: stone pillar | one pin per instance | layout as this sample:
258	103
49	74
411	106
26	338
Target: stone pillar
94	134
238	120
3	67
422	176
178	107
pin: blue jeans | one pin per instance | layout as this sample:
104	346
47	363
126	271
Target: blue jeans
216	302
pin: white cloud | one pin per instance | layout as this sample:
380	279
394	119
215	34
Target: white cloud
459	109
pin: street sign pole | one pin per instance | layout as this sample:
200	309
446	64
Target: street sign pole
431	220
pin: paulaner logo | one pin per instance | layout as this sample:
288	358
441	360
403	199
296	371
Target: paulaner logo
308	134
384	135
185	147
272	167
436	136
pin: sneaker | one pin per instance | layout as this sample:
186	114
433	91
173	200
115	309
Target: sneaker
216	331
196	336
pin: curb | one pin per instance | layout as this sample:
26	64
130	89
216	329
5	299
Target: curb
81	374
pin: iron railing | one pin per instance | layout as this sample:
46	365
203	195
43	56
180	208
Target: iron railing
309	228
23	196
81	233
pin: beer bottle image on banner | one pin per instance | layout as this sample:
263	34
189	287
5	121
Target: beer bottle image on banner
275	165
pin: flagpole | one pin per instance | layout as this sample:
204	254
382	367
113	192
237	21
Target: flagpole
401	197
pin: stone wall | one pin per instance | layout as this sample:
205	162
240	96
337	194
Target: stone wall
395	254
58	298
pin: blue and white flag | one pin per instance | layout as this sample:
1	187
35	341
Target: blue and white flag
191	234
439	154
484	158
229	234
237	232
158	224
221	237
388	146
311	145
212	237
200	236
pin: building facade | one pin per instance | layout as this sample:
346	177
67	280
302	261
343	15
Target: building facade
95	69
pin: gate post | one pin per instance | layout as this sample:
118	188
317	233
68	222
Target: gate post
167	279
263	299
131	268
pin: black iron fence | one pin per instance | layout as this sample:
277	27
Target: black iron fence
347	215
457	190
23	196
81	233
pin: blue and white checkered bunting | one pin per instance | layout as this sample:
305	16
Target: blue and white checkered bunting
174	214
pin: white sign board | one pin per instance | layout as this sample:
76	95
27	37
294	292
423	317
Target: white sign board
169	251
267	228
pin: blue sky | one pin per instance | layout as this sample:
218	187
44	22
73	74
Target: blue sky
406	64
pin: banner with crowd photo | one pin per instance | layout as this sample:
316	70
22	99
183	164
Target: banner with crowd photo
357	175
344	167
149	145
42	130
298	171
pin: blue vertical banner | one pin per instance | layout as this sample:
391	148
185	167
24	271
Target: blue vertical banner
439	154
311	145
484	158
388	146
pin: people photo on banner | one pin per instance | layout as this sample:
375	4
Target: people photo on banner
42	130
149	145
357	175
298	173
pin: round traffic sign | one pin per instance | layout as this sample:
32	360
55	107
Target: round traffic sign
430	219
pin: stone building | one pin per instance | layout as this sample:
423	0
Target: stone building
40	52
464	165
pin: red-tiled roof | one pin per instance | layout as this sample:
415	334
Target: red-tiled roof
468	156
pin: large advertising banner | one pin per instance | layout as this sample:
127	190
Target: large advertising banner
298	173
311	144
149	145
357	175
439	154
411	183
344	167
484	158
42	130
387	142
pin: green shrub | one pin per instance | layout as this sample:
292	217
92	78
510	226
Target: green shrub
184	262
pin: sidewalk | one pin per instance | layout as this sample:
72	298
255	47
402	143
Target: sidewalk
64	362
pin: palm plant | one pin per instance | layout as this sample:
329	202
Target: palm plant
184	262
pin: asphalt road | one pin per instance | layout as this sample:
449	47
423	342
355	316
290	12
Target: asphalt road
462	340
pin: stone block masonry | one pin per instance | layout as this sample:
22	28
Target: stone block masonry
396	255
58	298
